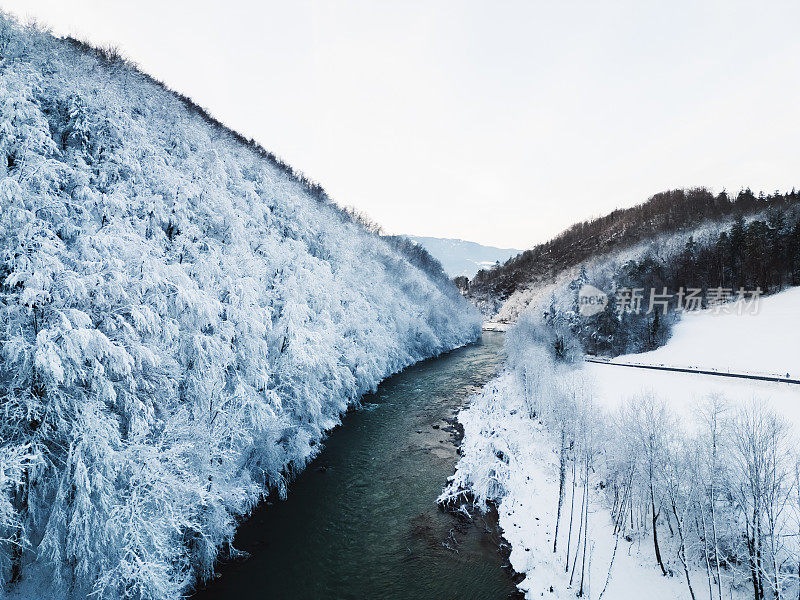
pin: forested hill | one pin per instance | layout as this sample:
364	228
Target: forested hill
666	213
183	317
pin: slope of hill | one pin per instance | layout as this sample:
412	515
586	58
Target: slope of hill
666	214
182	317
461	258
727	258
712	339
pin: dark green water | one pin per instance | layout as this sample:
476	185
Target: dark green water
361	522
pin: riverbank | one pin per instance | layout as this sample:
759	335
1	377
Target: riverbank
510	465
608	480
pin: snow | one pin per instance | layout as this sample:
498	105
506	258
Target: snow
684	392
511	458
527	517
766	342
495	326
525	490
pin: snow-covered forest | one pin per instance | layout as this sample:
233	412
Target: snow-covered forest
183	317
761	252
615	485
745	239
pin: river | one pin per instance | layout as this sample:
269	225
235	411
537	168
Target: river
361	522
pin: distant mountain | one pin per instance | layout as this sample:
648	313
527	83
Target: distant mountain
460	257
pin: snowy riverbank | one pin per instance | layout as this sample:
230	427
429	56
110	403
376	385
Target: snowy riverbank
512	461
600	438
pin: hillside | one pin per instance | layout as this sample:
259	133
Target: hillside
710	340
461	258
672	213
183	318
738	257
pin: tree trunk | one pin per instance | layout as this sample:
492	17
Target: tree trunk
562	476
571	514
586	529
705	551
682	550
751	551
714	516
17	538
580	536
655	530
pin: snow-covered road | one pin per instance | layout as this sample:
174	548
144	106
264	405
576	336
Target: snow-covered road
696	371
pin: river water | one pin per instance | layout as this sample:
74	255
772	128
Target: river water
361	522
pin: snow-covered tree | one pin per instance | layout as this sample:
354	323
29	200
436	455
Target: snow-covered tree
182	318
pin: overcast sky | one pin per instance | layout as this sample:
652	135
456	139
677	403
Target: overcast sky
501	123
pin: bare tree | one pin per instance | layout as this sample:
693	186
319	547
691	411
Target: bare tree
759	447
679	486
711	414
562	477
647	420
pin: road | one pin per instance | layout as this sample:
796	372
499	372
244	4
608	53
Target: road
697	371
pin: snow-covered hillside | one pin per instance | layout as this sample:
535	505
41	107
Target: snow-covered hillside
702	467
600	270
765	342
464	258
182	319
758	249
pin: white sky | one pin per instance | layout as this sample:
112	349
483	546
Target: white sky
497	122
